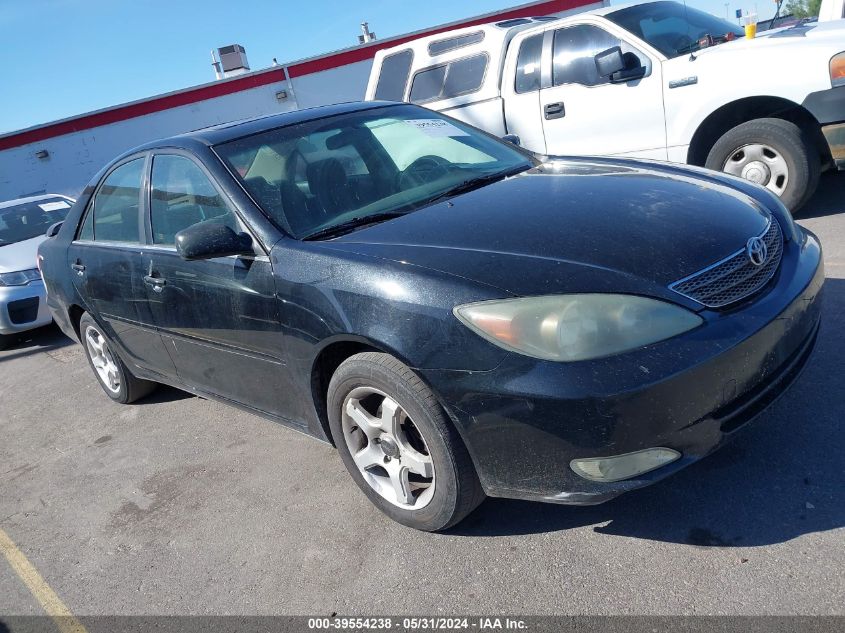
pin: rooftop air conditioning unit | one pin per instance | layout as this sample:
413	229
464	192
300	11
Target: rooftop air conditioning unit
233	60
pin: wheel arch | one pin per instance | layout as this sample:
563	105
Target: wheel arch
336	350
746	109
74	313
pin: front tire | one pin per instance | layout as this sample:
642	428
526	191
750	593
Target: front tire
397	444
774	153
112	374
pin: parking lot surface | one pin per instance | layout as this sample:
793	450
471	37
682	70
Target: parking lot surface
178	505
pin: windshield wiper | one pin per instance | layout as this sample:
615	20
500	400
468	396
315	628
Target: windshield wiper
337	230
475	183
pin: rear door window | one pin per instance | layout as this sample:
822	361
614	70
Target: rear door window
113	216
528	64
459	77
395	69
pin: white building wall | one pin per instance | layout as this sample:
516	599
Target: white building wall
74	158
336	85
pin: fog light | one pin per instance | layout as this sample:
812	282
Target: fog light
619	467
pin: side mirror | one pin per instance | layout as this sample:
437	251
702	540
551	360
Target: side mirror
53	229
513	139
609	62
619	67
211	239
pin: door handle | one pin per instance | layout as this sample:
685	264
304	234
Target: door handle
554	110
156	282
79	268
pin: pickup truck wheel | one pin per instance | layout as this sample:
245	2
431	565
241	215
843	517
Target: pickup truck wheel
398	445
112	374
773	153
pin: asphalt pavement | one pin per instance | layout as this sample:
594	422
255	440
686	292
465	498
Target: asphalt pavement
178	505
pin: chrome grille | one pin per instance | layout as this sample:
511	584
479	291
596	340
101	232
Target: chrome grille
735	277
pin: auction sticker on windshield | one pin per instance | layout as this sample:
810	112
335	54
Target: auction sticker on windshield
436	128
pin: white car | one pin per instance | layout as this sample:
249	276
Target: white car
653	80
23	226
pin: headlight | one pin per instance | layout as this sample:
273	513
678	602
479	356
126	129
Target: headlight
837	69
20	278
576	327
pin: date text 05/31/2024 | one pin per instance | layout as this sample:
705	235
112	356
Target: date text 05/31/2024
416	623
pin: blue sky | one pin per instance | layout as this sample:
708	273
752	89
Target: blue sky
66	57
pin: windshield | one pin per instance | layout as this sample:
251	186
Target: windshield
24	221
672	28
373	164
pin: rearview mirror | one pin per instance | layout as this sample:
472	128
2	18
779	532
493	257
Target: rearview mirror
212	239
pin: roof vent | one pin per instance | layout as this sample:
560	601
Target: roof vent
232	60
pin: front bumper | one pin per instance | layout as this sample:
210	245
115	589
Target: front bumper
23	308
828	107
526	420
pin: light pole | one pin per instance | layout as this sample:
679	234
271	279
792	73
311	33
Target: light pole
727	6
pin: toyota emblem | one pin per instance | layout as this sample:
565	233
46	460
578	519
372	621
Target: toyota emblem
757	251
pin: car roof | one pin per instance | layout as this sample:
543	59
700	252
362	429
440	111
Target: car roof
44	196
224	132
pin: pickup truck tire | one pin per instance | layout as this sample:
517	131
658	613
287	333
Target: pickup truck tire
388	427
772	152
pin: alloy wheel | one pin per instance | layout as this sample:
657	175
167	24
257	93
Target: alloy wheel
388	448
102	359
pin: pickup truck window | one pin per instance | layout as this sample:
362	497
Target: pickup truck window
672	28
575	49
528	64
452	43
395	69
458	77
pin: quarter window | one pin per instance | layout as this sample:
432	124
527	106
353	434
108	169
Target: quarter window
575	49
394	75
114	214
528	64
181	196
456	78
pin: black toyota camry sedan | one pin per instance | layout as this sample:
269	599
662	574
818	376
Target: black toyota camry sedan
459	317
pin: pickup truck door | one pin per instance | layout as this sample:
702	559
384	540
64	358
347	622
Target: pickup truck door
583	113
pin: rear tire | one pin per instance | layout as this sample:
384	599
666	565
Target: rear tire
380	411
111	372
776	154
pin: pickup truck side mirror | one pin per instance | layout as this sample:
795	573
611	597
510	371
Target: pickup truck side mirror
513	139
210	239
619	68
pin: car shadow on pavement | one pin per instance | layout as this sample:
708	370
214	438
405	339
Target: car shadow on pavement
827	200
37	341
781	477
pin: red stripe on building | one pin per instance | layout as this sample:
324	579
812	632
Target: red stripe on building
262	78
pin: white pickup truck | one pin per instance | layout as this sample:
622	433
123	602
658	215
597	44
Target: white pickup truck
654	80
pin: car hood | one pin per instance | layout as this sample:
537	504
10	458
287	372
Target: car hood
20	255
571	226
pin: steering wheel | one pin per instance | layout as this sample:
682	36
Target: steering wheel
423	170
